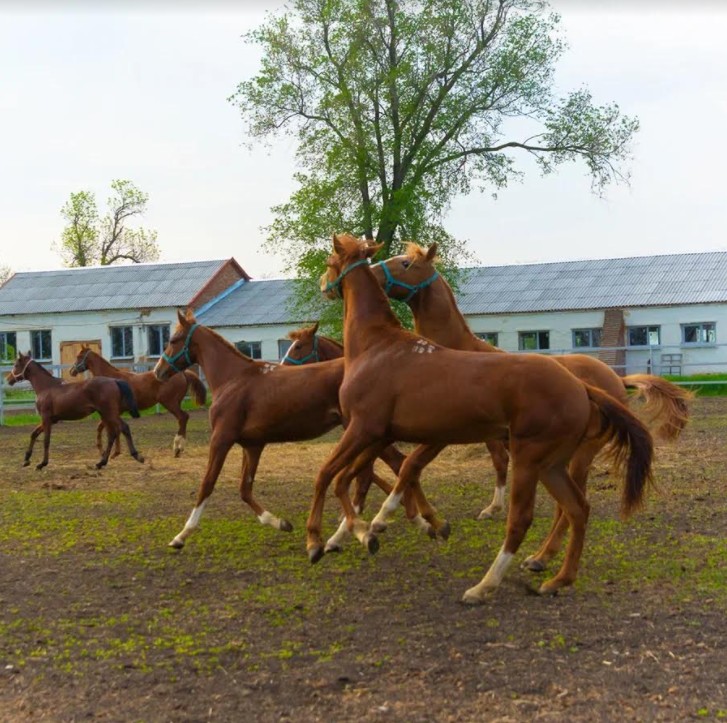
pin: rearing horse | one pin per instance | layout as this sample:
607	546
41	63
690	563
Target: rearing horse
148	391
57	400
399	386
413	278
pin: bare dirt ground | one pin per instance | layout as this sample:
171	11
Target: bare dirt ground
99	619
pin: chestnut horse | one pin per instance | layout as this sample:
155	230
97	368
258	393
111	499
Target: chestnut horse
309	347
413	278
254	403
399	386
148	390
56	401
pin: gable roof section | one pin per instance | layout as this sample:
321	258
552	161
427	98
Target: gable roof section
595	284
99	288
252	304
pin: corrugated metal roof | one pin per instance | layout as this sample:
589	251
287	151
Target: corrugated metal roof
106	287
595	284
252	304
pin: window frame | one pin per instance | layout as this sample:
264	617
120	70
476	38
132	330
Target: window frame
537	332
165	331
700	325
254	345
4	345
590	331
282	352
121	328
648	328
491	337
38	333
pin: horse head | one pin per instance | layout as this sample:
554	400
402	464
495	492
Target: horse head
80	365
17	373
304	348
403	276
178	354
348	252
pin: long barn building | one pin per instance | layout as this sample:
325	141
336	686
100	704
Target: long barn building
663	314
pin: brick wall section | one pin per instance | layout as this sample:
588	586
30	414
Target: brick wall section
613	335
230	273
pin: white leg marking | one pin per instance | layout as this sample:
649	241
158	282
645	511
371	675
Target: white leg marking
497	504
189	527
491	580
421	523
339	537
390	504
268	518
179	443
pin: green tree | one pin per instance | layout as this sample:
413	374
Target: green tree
399	106
89	239
5	273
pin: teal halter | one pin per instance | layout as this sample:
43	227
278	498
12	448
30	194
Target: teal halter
312	357
411	288
183	352
336	284
80	366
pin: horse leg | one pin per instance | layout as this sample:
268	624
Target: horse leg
354	441
112	433
250	460
575	508
409	480
218	449
47	424
33	436
519	518
578	469
180	438
129	441
500	460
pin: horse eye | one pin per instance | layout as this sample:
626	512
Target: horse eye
406	263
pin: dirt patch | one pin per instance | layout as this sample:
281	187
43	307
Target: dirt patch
99	619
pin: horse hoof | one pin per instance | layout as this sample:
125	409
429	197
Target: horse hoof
315	554
378	527
26	463
444	531
176	544
472	598
139	458
333	547
486	514
177	452
99	465
534	564
553	587
285	526
372	544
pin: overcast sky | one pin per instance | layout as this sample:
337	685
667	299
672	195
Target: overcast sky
87	96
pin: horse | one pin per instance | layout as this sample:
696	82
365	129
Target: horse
255	403
56	401
400	386
412	277
148	390
309	347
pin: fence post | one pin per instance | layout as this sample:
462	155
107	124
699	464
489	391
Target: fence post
2	399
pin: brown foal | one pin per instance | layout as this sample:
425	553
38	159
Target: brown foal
148	391
57	401
399	386
413	277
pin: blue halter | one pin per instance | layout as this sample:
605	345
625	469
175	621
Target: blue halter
336	283
312	357
411	288
80	366
183	352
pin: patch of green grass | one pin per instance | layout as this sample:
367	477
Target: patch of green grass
711	387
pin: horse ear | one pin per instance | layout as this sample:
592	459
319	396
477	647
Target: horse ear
181	318
315	326
337	245
432	252
372	249
189	314
29	354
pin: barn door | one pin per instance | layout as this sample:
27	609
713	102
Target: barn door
69	352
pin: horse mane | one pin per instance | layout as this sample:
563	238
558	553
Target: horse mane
40	366
219	337
333	341
415	252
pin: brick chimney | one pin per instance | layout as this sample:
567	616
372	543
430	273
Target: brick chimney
613	335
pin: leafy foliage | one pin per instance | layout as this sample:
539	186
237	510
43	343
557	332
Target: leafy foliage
89	239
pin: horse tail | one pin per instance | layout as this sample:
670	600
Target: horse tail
199	389
665	402
631	448
129	398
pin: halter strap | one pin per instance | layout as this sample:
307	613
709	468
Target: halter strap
391	282
80	366
336	283
19	377
183	352
312	357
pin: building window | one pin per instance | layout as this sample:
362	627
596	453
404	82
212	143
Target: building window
644	335
8	346
533	340
489	336
586	338
253	349
704	333
283	346
158	338
122	342
40	344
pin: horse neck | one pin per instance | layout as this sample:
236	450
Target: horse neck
328	349
437	317
367	315
218	360
40	378
97	365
